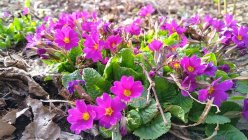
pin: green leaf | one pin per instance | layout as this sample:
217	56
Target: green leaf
126	57
66	78
154	129
242	87
210	57
17	24
74	53
95	83
27	3
235	98
226	132
230	109
214	119
176	111
148	113
106	133
171	40
133	119
220	73
184	102
165	90
139	102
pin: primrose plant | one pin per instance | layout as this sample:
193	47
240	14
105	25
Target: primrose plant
132	80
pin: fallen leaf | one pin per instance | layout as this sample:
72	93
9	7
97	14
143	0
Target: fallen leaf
42	127
10	117
8	129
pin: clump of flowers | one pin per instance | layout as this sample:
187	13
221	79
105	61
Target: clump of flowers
135	78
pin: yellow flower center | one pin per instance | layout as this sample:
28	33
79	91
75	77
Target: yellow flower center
86	116
109	111
190	69
113	45
96	46
240	37
67	40
127	92
176	65
211	90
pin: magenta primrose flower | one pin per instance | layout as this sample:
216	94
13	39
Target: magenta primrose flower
66	38
245	109
147	10
210	69
155	45
81	117
127	88
112	42
192	65
25	11
109	110
93	47
134	28
173	27
189	84
216	90
240	37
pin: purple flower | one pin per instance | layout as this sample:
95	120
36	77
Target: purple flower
218	24
81	117
112	42
93	47
25	11
109	110
189	84
245	109
66	38
210	69
155	45
33	40
217	91
5	14
225	68
146	11
208	20
240	37
134	28
192	65
173	27
127	88
195	20
229	21
71	85
42	53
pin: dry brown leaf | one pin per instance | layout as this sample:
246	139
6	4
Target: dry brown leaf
13	73
10	117
42	127
8	129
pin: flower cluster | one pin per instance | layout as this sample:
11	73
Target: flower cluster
108	110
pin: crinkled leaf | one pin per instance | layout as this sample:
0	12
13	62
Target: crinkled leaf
214	119
139	102
95	83
148	113
176	111
155	128
165	90
184	102
220	73
133	119
106	133
66	78
171	40
74	53
226	132
242	87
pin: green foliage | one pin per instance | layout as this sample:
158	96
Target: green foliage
15	31
155	128
172	39
226	132
242	87
184	102
66	78
148	113
214	119
95	83
139	102
165	90
210	57
133	120
176	111
106	133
